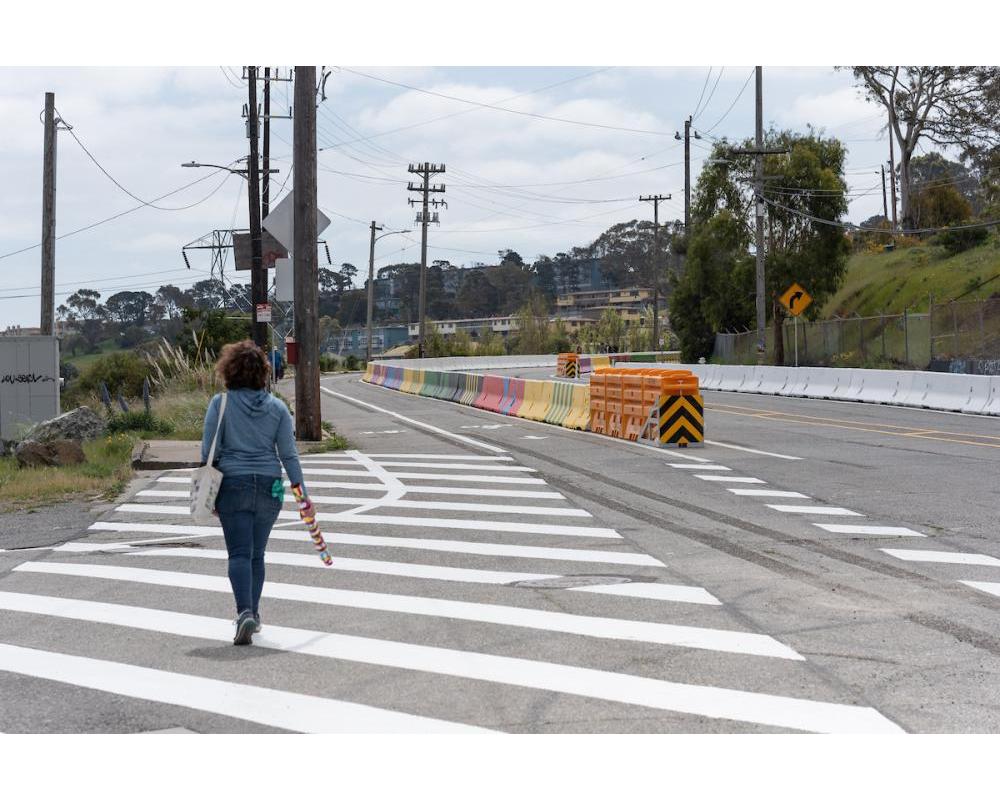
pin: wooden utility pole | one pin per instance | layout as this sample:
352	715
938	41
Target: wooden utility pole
655	200
687	178
258	273
371	286
47	315
425	171
759	213
265	189
308	420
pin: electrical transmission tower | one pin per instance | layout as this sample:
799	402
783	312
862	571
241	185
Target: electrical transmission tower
424	216
656	199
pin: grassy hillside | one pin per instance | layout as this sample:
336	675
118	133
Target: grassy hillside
906	278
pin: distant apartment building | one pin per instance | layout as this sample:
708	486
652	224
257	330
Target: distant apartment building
472	326
629	303
354	340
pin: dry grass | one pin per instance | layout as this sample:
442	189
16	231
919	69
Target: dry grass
104	475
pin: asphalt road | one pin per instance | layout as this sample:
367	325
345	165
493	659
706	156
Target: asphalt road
496	574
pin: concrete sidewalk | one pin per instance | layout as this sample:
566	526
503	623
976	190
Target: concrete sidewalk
160	454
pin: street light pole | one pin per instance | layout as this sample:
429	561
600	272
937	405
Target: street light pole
371	279
258	273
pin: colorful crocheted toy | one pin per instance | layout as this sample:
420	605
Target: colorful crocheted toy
308	514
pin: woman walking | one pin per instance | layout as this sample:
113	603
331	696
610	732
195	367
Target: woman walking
255	438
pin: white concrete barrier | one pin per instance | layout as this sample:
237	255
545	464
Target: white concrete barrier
942	391
993	402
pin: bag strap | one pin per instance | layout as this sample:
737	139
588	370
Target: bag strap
218	427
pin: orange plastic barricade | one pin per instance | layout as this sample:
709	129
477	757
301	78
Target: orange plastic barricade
598	407
613	402
633	418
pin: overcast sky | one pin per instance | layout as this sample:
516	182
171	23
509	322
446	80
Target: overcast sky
515	181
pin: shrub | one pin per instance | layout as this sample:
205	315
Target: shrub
328	362
123	372
352	362
139	421
957	241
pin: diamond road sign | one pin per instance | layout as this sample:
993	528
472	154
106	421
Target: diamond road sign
280	223
795	299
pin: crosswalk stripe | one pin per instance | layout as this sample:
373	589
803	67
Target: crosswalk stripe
729	479
990	587
709	701
944	557
715	467
422	572
654	591
431	505
441	545
380	487
832	511
273	707
423	476
416	522
873	530
410	457
439	465
554	621
767	493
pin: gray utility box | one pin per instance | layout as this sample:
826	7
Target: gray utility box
29	383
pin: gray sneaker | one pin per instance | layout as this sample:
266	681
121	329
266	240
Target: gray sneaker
245	628
257	625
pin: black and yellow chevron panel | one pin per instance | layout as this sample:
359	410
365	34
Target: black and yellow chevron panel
571	369
682	420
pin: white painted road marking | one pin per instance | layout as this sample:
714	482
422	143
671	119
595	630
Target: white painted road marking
709	701
430	505
729	479
416	522
554	621
423	476
442	545
716	467
751	450
278	709
452	490
831	511
873	530
765	493
440	465
944	557
989	587
426	426
431	457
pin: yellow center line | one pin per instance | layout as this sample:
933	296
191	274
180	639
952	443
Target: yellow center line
907	428
918	434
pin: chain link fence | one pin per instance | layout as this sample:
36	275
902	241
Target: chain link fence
961	336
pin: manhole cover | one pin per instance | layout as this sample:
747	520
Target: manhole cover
572	581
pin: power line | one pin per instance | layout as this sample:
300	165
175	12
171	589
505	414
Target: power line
852	227
704	86
230	80
731	105
469	111
502	108
131	210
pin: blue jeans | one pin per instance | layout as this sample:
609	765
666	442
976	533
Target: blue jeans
247	511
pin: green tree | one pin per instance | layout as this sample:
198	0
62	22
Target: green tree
533	327
490	343
957	106
435	345
716	290
208	330
939	206
460	344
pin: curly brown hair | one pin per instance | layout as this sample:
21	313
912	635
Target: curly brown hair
243	365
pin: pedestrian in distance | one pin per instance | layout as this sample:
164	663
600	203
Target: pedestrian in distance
255	439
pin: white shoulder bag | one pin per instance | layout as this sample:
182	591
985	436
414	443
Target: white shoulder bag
206	480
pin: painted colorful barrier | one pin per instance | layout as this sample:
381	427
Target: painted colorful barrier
556	402
657	406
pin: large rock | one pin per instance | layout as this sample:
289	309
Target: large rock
57	453
80	423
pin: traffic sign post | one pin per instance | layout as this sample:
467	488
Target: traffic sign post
796	300
263	312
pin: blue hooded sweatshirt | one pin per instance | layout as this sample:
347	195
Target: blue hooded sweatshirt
256	432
